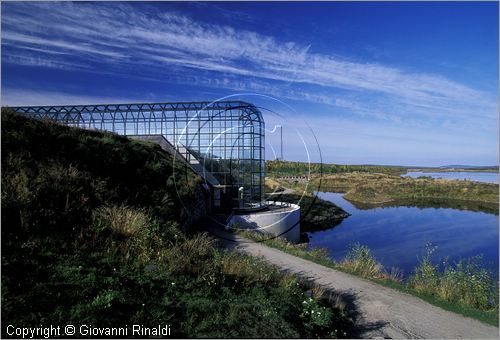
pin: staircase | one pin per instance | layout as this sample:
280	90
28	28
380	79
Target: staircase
196	165
181	153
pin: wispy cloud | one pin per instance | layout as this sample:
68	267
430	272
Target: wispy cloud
27	97
58	44
70	34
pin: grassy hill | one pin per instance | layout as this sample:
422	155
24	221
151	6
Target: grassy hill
98	229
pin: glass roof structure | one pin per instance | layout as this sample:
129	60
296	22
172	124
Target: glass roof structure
227	137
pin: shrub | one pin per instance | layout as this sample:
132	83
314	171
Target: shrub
359	260
188	255
467	282
320	253
314	316
426	274
121	220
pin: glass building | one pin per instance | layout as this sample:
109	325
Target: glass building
223	141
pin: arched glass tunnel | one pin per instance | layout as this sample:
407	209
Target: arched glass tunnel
222	140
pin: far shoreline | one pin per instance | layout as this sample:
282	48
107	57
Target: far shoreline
428	170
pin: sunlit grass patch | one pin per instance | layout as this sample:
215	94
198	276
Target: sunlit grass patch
121	219
360	261
467	282
465	287
318	255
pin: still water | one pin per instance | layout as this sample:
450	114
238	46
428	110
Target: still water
397	236
487	177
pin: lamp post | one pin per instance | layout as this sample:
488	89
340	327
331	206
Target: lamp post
281	141
281	129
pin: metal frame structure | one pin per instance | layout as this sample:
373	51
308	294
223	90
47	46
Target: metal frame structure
227	137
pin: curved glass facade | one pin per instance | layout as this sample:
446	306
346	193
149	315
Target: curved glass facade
224	138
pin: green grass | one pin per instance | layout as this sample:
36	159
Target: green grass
279	168
465	288
392	188
317	255
466	283
97	229
489	317
367	190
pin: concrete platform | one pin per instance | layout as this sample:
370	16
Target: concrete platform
278	219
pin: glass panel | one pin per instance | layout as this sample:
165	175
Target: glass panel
225	137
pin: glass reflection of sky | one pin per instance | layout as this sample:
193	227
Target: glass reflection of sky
397	235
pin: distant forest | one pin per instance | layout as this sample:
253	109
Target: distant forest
290	168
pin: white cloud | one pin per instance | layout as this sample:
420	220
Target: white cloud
27	97
58	44
122	35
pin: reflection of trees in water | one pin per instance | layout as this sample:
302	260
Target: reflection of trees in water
490	208
316	214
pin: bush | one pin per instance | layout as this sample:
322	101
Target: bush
315	316
359	260
426	276
121	220
466	283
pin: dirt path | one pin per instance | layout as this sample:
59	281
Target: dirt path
382	312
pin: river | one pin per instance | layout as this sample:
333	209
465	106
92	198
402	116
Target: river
486	177
397	236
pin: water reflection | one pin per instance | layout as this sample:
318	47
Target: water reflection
487	177
397	235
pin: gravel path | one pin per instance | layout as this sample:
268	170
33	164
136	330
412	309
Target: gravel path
382	312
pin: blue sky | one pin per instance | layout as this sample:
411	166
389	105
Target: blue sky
376	83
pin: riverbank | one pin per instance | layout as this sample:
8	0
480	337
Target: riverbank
374	189
278	168
379	311
440	287
397	236
458	169
316	214
457	288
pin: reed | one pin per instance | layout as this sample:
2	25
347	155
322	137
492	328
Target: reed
465	287
467	282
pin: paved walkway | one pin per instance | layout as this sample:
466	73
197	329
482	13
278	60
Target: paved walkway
382	312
